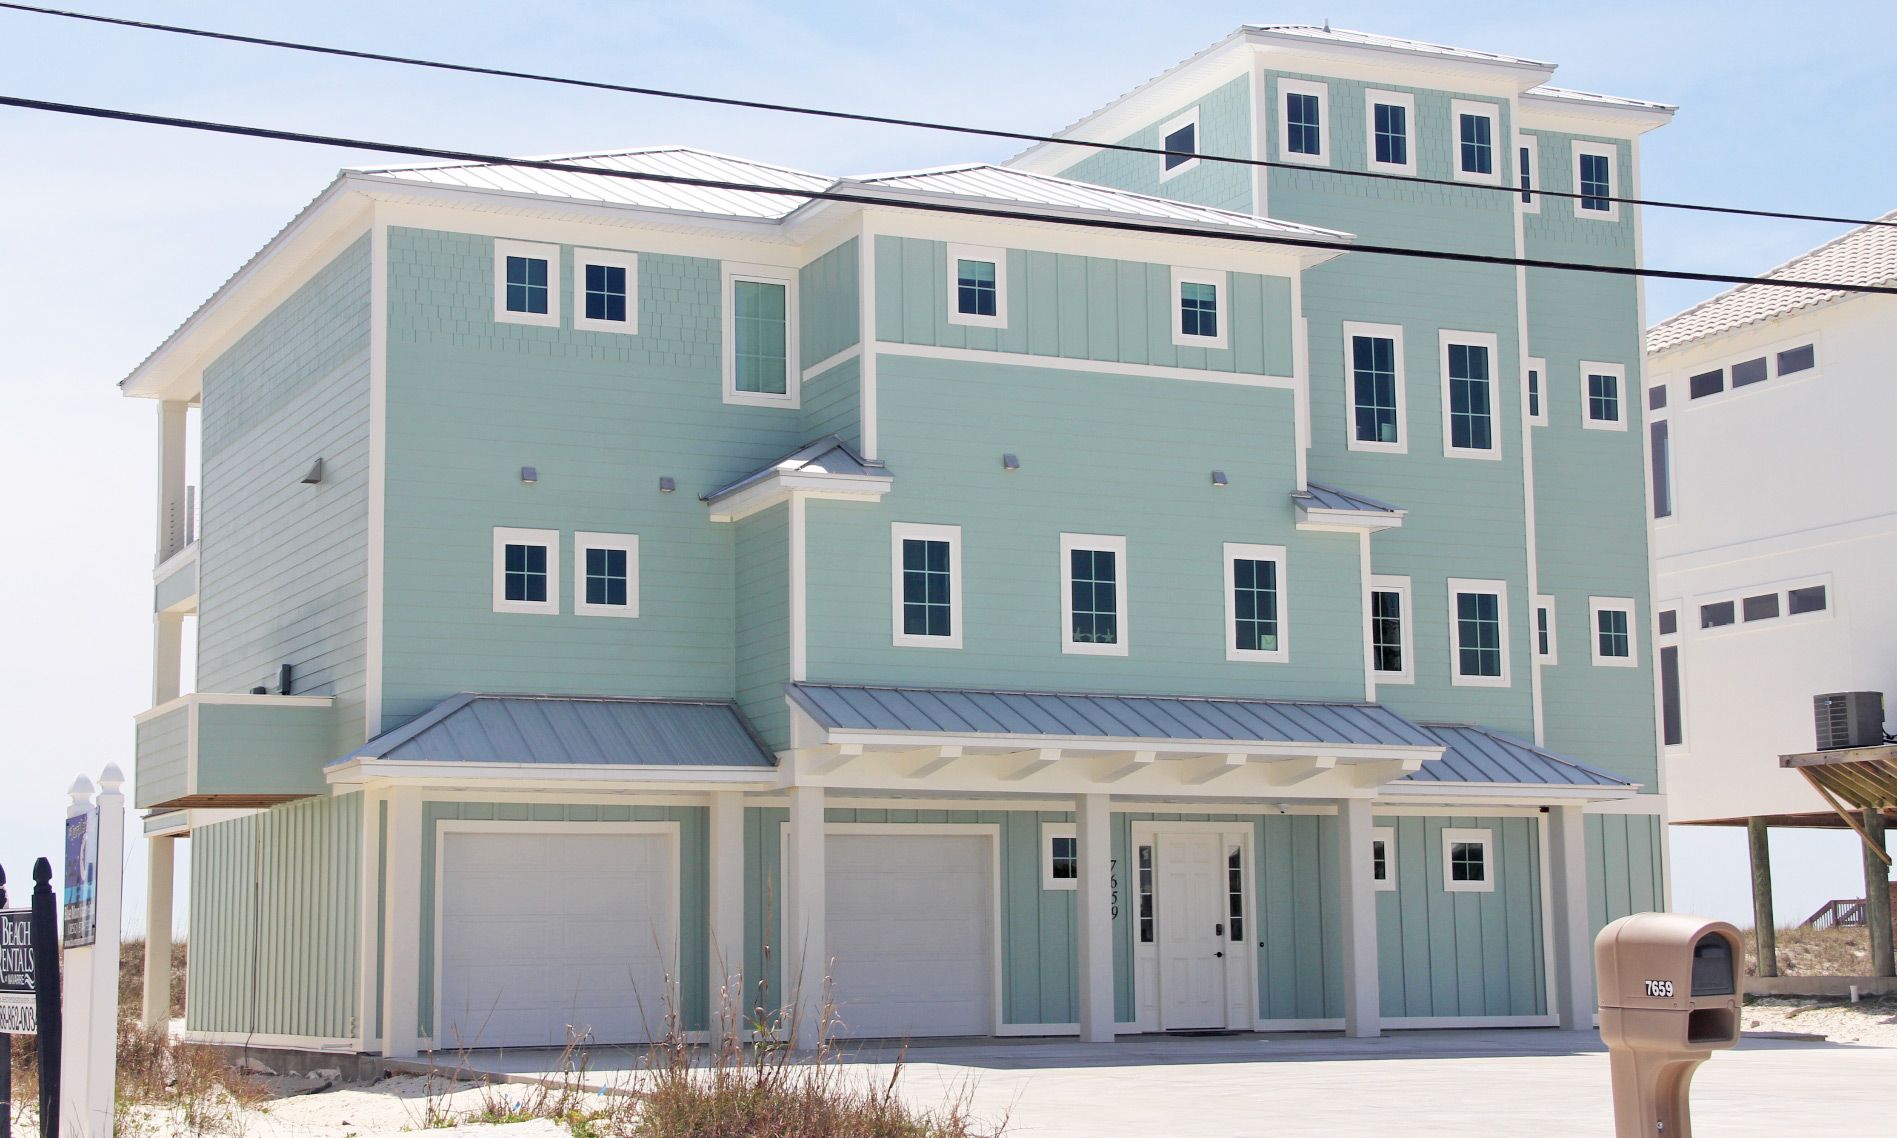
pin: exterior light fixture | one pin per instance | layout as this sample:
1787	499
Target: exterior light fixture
1010	462
666	484
1218	478
315	475
529	475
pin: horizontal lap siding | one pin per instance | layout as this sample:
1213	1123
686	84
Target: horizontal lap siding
162	746
829	303
762	606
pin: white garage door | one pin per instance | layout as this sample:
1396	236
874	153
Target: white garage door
909	923
542	931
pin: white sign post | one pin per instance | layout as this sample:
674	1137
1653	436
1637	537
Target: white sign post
95	877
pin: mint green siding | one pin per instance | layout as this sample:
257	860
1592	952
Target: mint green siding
1463	954
178	587
1224	128
833	403
1624	866
761	603
694	930
829	304
162	748
1080	308
262	750
274	920
284	565
602	417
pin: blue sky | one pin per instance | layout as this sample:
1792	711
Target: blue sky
111	234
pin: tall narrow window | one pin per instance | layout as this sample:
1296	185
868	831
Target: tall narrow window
1254	586
1475	143
1596	184
1527	160
1304	136
1373	386
1613	631
926	570
1661	443
606	285
1235	893
1144	885
1468	396
1094	595
526	289
1545	629
977	286
1672	723
1601	396
1389	625
1535	384
1478	613
1180	140
1594	181
1197	298
1389	116
1383	858
760	338
606	574
526	570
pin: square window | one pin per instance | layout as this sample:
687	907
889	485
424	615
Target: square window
1383	858
526	570
977	286
1468	861
1060	856
1811	598
606	285
1797	359
926	569
1478	614
606	574
1602	386
1594	181
1749	372
1706	383
1180	139
1389	611
1469	427
1389	124
1669	622
1719	614
1613	619
1304	133
526	287
760	337
1762	607
1197	298
1656	397
1093	596
1254	603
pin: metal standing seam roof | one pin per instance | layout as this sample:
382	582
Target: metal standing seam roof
1866	255
1318	496
1393	43
1570	95
573	730
828	455
1477	755
941	711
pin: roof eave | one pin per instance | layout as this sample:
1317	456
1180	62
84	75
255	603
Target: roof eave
1542	110
1527	792
1526	72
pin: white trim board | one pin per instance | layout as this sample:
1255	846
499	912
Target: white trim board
1083	368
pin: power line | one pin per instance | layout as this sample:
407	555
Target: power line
886	120
869	199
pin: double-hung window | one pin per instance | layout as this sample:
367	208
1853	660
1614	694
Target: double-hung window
978	286
606	291
760	336
1304	131
1535	391
1255	603
1468	370
1468	861
1613	621
526	283
926	583
1389	120
1374	359
1477	141
1527	171
1602	396
606	574
1594	181
1093	594
1180	140
1478	644
1390	622
526	570
1199	319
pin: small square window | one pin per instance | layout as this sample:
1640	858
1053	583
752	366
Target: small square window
1198	297
1706	383
1383	858
1602	388
1811	598
1180	139
1468	861
526	284
1719	614
1748	372
1669	622
606	574
606	288
1762	607
1656	397
978	286
1060	856
526	570
1797	359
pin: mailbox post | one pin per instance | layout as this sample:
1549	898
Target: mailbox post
1670	991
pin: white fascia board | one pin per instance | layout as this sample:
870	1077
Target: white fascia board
768	492
1394	64
321	229
1458	792
1585	116
236	699
1095	745
469	775
1348	521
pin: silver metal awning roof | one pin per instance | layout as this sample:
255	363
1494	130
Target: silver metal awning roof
829	455
1319	496
572	730
1477	755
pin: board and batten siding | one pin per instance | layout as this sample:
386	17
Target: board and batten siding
694	928
1625	869
284	566
761	544
1443	954
273	921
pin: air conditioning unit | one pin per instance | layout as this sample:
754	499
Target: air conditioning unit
1849	719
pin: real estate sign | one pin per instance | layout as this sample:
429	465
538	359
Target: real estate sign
17	1011
82	878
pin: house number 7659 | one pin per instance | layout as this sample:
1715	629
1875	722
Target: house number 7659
1661	989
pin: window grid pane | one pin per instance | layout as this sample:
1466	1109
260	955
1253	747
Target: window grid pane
527	284
524	572
1392	141
1094	584
1471	424
1255	605
1373	367
1534	393
761	327
1145	888
1541	630
1301	123
606	293
1235	894
606	577
1596	182
1064	858
1467	862
1479	634
1603	398
1478	146
1198	309
1386	630
1612	626
926	609
975	290
1379	860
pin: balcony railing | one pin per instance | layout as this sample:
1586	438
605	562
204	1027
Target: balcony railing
179	527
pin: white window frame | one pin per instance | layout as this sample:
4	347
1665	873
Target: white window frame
608	258
1619	372
1371	99
1353	329
1612	154
793	371
1110	543
918	531
1540	367
1305	87
1531	144
1595	607
1785	605
548	253
1497	157
505	536
1553	654
996	257
1474	585
629	542
1387	583
1052	830
1492	342
1217	278
1483	838
1386	835
1190	118
1273	553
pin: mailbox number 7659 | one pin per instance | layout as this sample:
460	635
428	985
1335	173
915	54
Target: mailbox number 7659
1662	989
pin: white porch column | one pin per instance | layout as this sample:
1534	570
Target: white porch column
805	959
167	669
402	949
1363	996
726	839
1573	942
1094	931
158	887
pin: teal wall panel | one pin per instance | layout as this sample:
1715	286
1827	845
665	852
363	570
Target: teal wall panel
163	758
1224	128
1625	866
274	919
263	750
829	305
833	403
762	611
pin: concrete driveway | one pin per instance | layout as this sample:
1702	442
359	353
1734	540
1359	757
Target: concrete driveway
1545	1083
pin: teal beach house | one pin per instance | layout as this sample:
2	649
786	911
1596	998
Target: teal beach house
613	595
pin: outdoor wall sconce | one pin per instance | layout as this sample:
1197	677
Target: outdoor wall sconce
529	475
1218	478
1010	462
315	475
666	484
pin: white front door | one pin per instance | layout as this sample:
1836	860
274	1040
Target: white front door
1193	946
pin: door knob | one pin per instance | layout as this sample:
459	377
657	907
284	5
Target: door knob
1220	954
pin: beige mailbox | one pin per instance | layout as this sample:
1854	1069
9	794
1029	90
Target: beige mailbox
1670	990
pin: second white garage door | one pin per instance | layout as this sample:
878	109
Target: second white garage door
910	926
540	931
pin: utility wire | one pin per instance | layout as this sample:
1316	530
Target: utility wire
891	202
886	120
